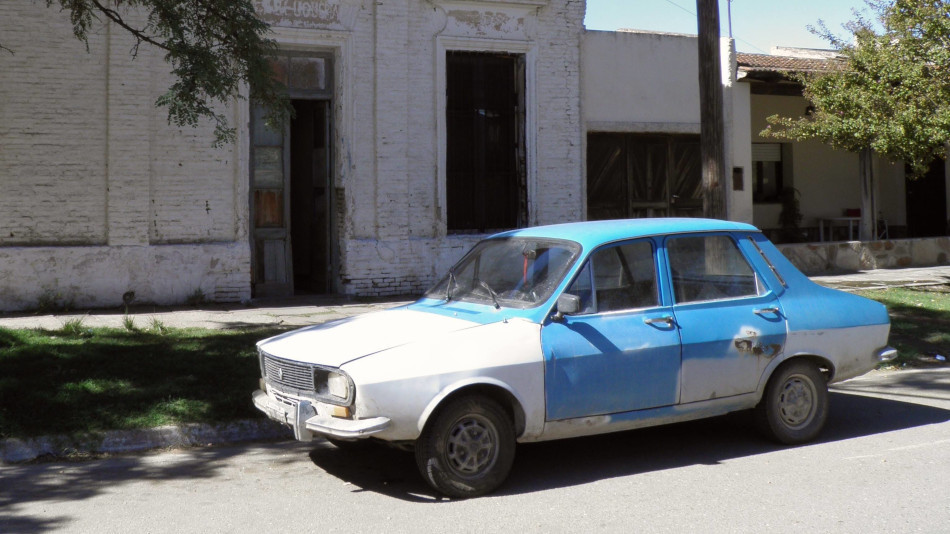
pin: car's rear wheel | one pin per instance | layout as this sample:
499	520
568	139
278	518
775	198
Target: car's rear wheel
468	449
794	407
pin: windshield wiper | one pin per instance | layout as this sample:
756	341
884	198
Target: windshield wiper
448	285
494	296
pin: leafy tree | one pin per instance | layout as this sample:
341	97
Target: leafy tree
892	93
214	48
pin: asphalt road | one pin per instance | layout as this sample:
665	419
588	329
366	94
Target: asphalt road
882	465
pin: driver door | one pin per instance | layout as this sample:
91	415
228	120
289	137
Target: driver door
621	352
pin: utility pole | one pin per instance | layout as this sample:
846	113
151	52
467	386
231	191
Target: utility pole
712	148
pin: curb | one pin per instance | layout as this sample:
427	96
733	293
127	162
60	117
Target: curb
118	441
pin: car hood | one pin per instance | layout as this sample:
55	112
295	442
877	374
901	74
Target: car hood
337	342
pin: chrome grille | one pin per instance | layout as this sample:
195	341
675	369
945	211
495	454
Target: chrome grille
287	373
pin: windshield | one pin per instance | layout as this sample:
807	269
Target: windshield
517	272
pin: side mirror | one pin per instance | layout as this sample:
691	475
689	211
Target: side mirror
567	304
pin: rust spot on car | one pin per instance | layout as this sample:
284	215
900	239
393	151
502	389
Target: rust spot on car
752	345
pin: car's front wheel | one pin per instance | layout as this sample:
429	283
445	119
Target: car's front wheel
794	407
468	449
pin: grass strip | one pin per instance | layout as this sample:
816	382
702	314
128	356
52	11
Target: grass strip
920	324
79	380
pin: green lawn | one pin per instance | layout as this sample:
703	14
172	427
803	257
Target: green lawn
81	379
920	323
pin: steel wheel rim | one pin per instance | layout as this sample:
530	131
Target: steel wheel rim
797	401
471	447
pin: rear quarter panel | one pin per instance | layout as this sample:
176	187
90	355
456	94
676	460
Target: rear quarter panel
845	329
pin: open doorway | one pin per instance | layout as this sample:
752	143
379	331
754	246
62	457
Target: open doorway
292	241
927	202
310	196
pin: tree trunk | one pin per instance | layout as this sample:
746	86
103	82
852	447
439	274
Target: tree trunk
712	149
868	229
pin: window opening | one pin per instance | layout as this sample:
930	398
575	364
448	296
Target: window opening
486	188
710	268
770	172
624	278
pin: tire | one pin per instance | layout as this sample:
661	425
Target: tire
468	448
794	407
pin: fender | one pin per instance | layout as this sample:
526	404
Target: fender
774	364
532	423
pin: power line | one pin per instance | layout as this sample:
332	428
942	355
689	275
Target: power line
672	3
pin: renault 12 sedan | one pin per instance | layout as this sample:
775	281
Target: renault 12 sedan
572	330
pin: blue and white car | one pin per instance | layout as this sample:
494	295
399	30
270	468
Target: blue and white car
577	329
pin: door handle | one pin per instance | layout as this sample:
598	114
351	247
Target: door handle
665	320
763	311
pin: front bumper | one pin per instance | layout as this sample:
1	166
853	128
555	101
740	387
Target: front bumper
304	418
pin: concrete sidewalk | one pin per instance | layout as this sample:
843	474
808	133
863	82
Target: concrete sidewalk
307	310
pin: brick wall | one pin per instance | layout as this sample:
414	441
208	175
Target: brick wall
98	194
101	196
394	239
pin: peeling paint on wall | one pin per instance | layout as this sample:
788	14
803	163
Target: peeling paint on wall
323	14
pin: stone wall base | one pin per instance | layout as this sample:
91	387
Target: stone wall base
828	258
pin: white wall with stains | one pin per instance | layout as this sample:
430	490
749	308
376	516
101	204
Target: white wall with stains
99	196
389	126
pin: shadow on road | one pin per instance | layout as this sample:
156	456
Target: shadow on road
538	467
549	465
74	481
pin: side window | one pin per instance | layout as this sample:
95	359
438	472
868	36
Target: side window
624	277
583	289
710	268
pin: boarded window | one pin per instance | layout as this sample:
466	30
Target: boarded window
485	179
637	175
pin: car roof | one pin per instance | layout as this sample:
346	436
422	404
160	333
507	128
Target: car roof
592	233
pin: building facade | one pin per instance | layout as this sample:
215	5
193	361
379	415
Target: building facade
369	191
421	126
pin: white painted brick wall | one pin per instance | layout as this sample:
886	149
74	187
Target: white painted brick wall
87	160
52	130
89	165
395	240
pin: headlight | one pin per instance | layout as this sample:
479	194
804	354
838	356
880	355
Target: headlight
338	385
332	386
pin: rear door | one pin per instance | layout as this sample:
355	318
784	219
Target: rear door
730	322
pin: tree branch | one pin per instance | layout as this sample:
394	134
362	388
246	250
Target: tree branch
138	34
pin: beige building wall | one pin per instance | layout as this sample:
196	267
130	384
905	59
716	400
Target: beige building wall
827	179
